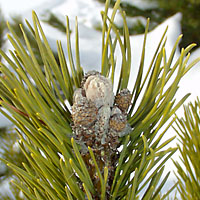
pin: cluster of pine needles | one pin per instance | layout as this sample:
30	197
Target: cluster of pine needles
35	94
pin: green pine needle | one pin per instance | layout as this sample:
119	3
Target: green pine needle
189	134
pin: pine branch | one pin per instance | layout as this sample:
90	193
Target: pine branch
188	131
72	150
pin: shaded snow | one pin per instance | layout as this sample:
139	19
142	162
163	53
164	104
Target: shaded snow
4	122
5	188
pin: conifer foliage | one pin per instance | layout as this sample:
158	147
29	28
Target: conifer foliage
62	164
188	174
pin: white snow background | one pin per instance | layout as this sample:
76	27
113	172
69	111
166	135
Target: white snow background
88	13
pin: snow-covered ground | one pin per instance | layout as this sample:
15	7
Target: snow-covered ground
88	13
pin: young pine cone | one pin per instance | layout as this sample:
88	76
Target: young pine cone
123	100
98	122
118	122
94	112
99	90
84	112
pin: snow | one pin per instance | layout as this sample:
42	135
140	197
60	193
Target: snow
3	168
88	13
85	10
5	187
88	39
152	42
16	147
24	7
4	122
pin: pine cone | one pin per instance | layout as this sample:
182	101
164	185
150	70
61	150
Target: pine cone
84	112
118	122
90	73
123	100
99	124
99	90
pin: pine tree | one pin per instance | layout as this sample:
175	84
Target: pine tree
2	30
9	147
11	152
72	149
160	10
188	168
